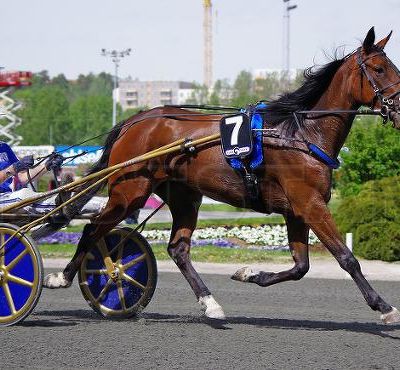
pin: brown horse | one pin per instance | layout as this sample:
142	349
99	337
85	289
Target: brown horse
292	182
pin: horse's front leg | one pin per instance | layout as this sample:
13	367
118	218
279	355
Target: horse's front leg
321	222
298	244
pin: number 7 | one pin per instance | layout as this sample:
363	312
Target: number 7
237	121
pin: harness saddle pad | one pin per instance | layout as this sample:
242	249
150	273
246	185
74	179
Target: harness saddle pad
236	138
239	138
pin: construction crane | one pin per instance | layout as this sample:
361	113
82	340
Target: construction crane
208	51
9	81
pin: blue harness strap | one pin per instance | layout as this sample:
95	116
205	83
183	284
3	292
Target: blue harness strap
256	156
323	157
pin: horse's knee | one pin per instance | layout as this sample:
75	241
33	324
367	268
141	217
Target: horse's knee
348	262
300	269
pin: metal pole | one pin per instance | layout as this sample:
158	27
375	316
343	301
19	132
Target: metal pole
116	57
114	121
288	42
287	16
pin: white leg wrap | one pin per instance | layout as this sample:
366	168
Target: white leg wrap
211	308
391	317
56	280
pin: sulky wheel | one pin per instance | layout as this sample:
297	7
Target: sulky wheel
21	275
135	274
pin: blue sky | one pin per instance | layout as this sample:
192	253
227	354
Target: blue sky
166	36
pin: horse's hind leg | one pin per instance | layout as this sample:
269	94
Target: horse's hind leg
298	244
124	198
184	204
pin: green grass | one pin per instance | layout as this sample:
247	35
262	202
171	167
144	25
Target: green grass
198	254
221	208
227	255
57	250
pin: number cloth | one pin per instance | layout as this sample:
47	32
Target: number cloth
256	156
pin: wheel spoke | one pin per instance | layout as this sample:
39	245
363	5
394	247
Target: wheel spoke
11	265
9	298
2	251
120	253
101	243
142	257
20	281
121	295
96	272
133	281
104	290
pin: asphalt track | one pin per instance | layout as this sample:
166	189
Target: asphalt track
310	324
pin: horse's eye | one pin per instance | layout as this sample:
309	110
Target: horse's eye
379	70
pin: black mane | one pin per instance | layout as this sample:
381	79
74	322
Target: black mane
305	97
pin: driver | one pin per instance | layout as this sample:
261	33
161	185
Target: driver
23	169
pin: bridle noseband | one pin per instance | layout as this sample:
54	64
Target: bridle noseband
387	102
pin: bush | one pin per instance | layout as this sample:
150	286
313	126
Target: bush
373	155
373	216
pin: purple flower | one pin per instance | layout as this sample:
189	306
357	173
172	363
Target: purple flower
61	237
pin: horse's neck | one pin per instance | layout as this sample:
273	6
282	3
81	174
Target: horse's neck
330	131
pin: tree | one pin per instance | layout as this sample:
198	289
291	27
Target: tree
91	116
221	93
373	153
243	90
45	116
199	95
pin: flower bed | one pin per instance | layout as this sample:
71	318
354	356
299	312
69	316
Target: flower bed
264	237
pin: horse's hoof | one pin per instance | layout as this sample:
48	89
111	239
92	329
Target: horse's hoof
243	274
56	280
391	317
211	308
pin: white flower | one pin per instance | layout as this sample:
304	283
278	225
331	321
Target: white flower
267	235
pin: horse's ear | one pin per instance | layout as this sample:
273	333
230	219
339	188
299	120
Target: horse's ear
369	40
381	44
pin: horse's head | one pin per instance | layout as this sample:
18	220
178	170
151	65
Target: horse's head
375	79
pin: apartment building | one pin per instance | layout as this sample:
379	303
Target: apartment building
136	93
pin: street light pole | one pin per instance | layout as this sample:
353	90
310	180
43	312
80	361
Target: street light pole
116	57
288	9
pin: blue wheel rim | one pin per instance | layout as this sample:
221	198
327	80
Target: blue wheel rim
120	297
20	276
